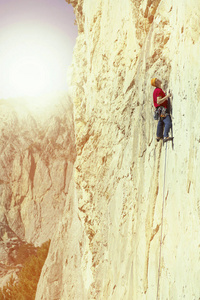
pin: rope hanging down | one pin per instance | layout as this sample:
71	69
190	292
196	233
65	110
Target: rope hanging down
163	202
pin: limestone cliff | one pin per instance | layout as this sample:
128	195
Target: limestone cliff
36	164
108	243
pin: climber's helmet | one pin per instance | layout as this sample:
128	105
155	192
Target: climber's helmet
156	82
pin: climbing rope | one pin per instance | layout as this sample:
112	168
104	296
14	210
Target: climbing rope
157	298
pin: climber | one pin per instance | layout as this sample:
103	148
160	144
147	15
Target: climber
160	101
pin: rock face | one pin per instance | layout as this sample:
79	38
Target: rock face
13	253
108	242
36	164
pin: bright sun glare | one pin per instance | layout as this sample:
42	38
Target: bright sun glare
33	61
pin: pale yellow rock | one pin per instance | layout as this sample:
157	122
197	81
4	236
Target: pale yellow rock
113	222
37	151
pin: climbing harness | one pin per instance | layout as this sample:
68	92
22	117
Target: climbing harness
160	112
161	234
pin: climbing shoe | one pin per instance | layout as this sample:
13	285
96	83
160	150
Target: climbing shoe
166	139
158	138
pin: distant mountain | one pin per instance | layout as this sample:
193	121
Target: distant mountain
37	152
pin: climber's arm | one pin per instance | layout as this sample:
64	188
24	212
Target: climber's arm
160	100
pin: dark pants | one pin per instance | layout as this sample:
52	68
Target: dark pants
167	123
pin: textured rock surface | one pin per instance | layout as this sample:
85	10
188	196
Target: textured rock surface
107	245
37	152
13	253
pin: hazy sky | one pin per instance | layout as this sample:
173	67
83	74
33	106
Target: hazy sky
37	38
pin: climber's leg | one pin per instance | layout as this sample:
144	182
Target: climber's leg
168	124
160	129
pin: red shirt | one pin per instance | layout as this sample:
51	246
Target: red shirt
159	93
